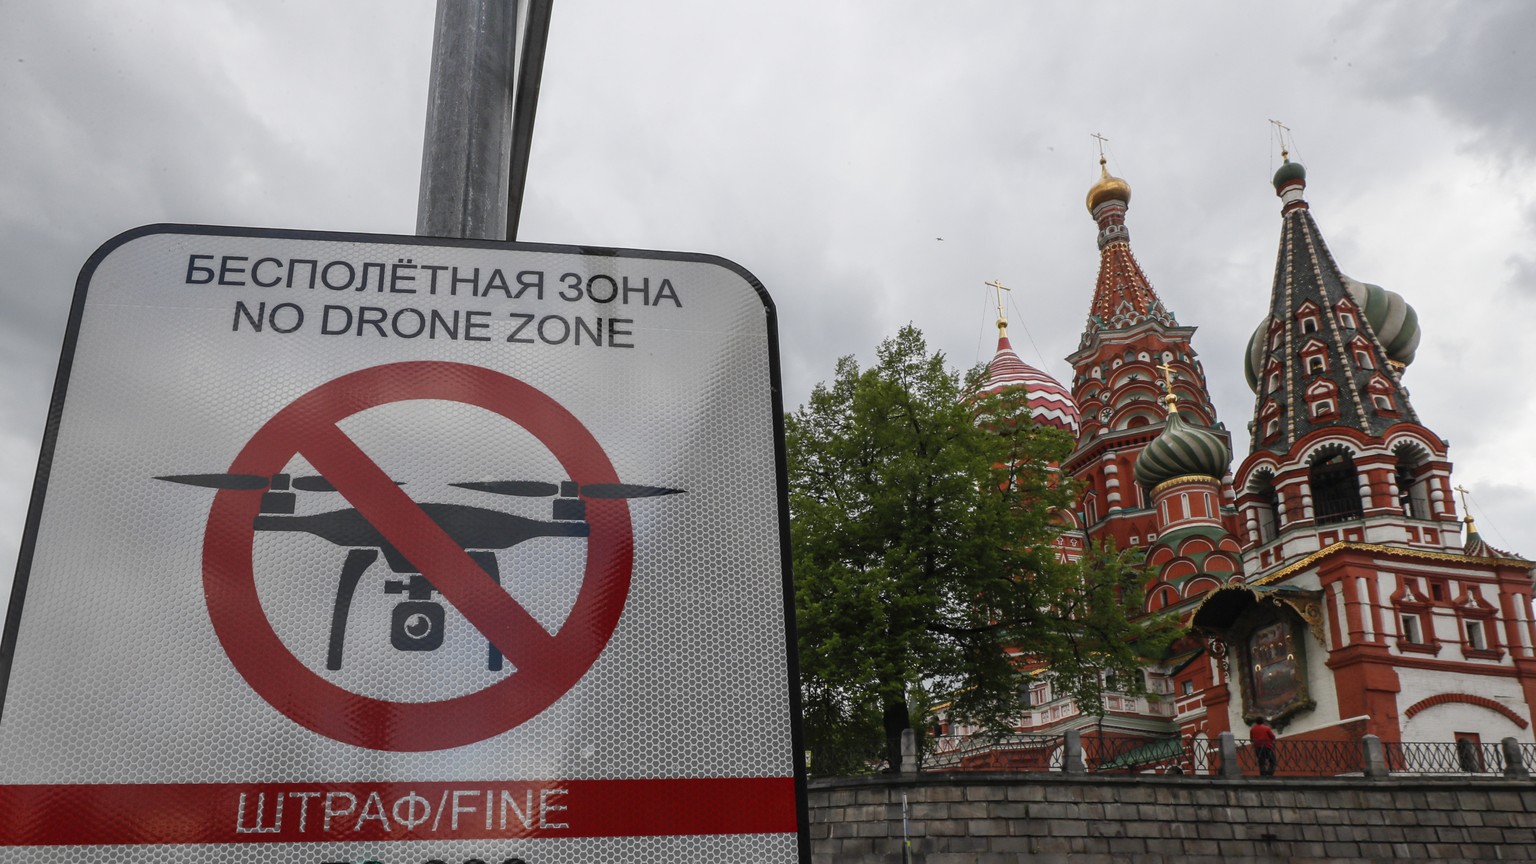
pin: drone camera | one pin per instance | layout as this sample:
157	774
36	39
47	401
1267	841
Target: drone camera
417	625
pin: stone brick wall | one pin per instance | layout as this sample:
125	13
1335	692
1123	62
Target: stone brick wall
994	818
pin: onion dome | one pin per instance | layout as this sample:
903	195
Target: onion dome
1253	355
1108	189
1181	450
1474	546
1290	173
1392	319
1049	403
1395	323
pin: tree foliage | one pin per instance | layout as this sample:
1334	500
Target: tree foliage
921	524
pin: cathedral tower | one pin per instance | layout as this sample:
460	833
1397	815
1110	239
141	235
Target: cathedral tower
1046	402
1337	451
1116	382
1361	611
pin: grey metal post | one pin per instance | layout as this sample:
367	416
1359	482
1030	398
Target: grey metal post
1072	753
1375	757
1229	764
1514	761
530	74
466	155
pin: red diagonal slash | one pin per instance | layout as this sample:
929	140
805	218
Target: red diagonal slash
423	542
547	666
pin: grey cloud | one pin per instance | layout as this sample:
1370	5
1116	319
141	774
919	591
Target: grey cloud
1467	59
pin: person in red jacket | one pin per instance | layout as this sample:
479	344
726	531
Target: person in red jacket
1263	738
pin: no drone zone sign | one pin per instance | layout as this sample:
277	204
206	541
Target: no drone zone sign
392	549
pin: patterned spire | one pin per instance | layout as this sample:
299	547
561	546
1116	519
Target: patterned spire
1128	326
1317	361
1122	296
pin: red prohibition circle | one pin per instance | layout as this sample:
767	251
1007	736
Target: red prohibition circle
546	666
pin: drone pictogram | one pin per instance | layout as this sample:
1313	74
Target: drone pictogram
418	620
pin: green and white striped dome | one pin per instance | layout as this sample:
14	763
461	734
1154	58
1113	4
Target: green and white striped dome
1393	321
1182	449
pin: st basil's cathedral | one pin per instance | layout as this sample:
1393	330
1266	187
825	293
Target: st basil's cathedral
1327	582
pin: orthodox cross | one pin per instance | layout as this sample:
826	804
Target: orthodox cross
1002	319
1103	165
1282	130
1464	490
1170	399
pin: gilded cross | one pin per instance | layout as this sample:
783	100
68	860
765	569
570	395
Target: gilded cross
1171	399
1002	319
1282	130
1463	490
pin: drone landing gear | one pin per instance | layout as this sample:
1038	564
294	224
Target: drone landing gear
357	563
487	562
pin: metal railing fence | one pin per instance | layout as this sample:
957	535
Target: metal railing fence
1461	757
1016	752
1294	757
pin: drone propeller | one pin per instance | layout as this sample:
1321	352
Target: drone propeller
625	490
313	483
519	488
535	489
253	482
239	482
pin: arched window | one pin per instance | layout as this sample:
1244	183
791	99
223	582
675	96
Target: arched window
1335	487
1379	390
1268	508
1412	482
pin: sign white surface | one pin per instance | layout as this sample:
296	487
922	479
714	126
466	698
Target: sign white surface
255	608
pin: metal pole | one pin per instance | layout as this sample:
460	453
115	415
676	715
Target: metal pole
530	73
466	155
906	832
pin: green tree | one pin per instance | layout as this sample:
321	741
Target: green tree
921	521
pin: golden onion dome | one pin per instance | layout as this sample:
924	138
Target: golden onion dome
1108	189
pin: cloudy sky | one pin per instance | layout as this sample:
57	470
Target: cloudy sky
827	147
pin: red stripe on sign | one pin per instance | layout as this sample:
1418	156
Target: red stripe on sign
101	814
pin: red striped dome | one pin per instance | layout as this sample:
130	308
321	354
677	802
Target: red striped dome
1049	403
